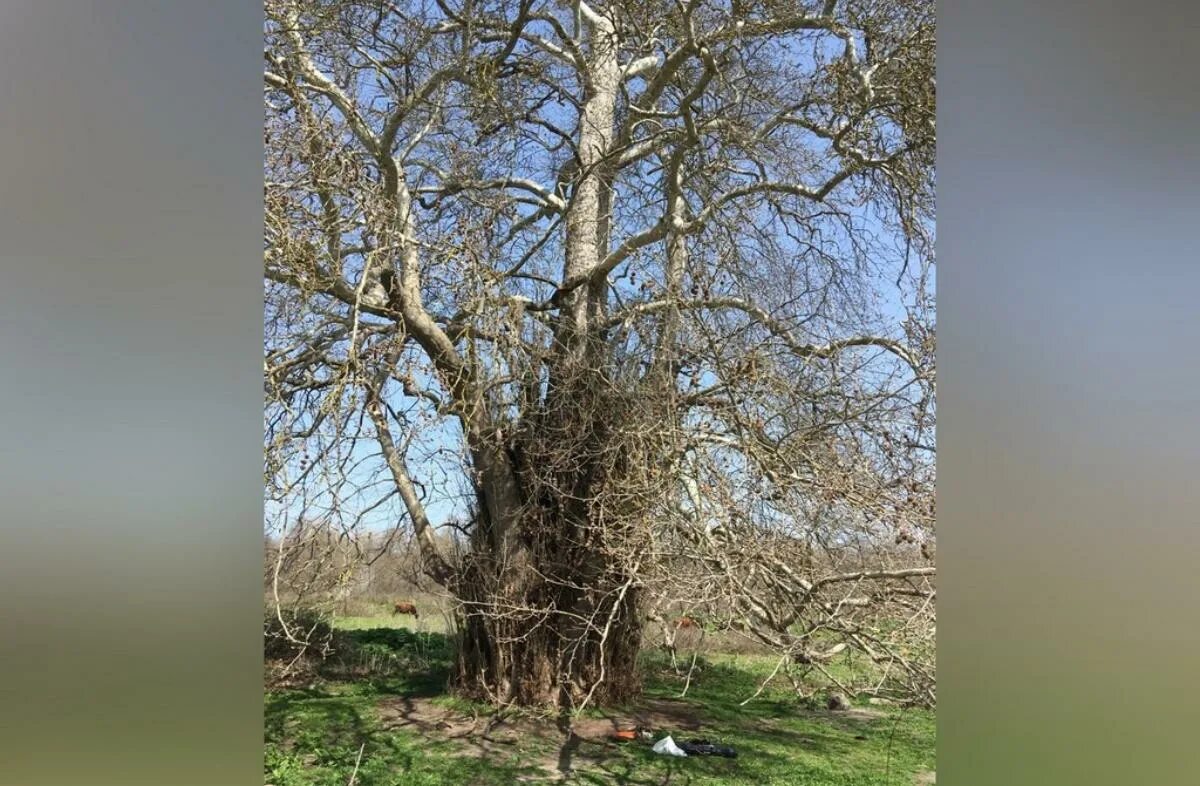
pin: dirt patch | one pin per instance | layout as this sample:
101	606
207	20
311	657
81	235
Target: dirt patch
926	778
655	715
854	714
541	741
422	715
667	714
593	729
480	737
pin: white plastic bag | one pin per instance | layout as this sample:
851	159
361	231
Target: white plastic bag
668	747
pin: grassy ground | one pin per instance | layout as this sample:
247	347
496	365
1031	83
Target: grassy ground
428	623
411	734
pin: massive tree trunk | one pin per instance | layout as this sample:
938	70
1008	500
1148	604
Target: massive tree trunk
533	654
551	612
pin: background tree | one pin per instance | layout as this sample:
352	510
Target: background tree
611	279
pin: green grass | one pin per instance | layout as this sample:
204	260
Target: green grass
313	735
432	623
313	738
780	742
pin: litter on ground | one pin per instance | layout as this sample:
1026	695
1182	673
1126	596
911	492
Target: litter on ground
667	746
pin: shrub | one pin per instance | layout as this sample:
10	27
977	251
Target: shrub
311	634
387	651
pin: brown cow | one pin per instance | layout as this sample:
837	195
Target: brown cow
406	608
686	622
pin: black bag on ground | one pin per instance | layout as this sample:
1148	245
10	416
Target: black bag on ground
706	748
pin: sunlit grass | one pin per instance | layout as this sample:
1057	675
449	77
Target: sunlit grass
314	735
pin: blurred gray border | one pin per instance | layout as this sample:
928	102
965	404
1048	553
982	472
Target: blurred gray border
131	328
1069	194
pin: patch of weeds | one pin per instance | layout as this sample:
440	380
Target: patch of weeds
291	633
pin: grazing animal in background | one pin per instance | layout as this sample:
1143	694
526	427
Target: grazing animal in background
406	608
686	622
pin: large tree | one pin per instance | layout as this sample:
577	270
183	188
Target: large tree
617	271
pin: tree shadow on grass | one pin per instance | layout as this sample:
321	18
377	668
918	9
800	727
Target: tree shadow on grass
322	735
762	748
566	754
406	727
772	734
644	768
333	717
635	773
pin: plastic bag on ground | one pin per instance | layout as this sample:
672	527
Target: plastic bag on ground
668	747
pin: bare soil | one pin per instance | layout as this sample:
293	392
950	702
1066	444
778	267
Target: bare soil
425	716
555	749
